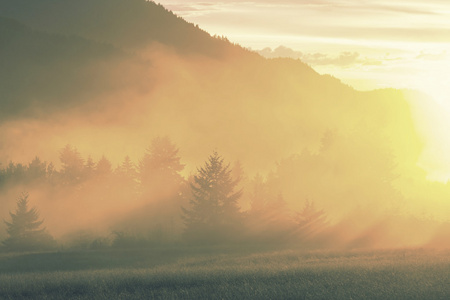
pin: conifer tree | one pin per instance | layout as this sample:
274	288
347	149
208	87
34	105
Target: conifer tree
159	169
214	210
127	169
103	167
72	165
37	170
126	178
126	173
311	221
24	230
89	168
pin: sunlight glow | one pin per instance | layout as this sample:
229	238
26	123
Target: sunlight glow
411	54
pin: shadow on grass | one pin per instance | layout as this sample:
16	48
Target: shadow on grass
111	258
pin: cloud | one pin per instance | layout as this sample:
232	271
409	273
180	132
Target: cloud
281	51
194	9
432	56
343	59
405	6
402	21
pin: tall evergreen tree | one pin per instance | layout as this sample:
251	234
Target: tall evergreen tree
16	173
24	230
103	167
162	188
2	175
37	170
311	221
159	169
89	168
268	219
127	169
127	175
72	165
259	195
214	211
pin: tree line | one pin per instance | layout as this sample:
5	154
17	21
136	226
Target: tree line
204	208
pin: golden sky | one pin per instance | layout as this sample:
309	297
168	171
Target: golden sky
343	37
367	44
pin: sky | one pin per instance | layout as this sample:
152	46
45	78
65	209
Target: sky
368	44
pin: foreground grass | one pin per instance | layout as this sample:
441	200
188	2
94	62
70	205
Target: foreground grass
290	274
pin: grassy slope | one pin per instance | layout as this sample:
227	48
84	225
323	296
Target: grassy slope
143	274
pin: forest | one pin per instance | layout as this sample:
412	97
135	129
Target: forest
142	157
203	208
88	204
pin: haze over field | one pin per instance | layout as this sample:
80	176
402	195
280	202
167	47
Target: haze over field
86	84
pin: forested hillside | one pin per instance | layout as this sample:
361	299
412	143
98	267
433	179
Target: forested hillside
131	24
110	76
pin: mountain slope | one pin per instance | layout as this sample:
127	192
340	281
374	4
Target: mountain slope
134	71
41	71
130	24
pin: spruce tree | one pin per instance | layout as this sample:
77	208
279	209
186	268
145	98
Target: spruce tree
311	221
160	169
127	170
72	165
214	210
24	230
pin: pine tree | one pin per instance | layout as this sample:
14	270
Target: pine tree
15	173
127	169
2	176
159	169
214	212
311	221
72	165
103	167
37	170
161	187
126	180
24	230
259	195
126	173
89	168
268	219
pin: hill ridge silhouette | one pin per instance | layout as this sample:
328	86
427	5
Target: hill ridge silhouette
86	73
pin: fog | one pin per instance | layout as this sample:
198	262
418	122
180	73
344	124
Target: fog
319	164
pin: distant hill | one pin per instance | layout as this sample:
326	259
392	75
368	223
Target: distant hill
49	49
42	71
130	24
111	74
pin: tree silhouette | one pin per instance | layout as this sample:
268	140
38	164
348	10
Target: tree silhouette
259	195
311	221
72	165
214	211
37	170
268	219
24	230
159	169
2	176
89	168
15	173
162	188
127	169
126	173
103	167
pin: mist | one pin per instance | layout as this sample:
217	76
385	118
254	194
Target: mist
319	164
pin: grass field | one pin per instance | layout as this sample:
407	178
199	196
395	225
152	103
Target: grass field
194	273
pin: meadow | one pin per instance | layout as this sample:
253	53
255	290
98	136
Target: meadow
226	273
